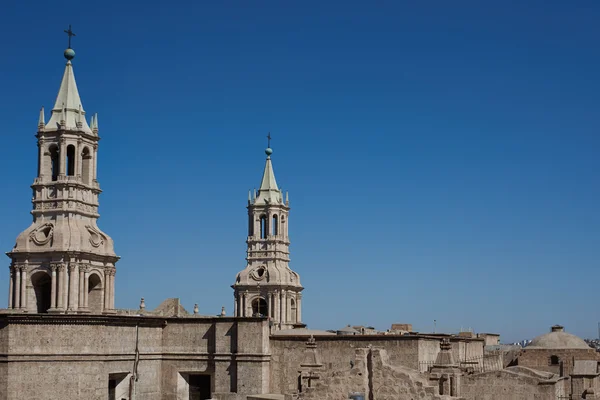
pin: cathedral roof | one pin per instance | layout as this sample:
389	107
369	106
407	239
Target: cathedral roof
68	106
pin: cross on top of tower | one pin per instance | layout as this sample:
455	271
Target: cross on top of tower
71	34
269	150
69	52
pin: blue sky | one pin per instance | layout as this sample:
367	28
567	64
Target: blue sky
441	157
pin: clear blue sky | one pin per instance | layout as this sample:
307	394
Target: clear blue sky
442	158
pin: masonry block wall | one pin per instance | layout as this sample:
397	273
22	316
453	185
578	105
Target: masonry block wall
541	359
59	357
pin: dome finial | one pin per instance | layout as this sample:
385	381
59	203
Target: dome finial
269	150
69	52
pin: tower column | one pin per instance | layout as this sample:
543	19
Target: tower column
41	158
65	283
86	287
244	301
23	287
11	287
60	283
62	156
299	308
53	287
17	287
80	287
276	300
235	305
106	290
270	304
77	165
73	285
284	306
95	176
113	272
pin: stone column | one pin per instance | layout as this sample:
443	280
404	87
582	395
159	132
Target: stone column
276	300
95	177
41	158
86	287
113	272
80	288
23	287
73	285
53	287
286	302
17	287
235	305
299	307
106	289
10	287
60	281
65	283
62	157
270	304
77	171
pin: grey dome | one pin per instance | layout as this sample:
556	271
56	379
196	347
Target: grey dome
557	339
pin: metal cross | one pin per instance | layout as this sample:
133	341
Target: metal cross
269	137
70	33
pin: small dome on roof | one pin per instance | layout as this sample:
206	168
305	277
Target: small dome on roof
557	339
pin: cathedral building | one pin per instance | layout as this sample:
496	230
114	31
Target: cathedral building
61	336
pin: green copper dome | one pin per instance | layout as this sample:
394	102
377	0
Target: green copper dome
268	151
69	54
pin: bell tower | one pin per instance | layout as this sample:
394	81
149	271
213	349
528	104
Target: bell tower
63	263
267	286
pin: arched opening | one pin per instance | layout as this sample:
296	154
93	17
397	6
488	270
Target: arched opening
42	288
54	161
275	227
95	294
294	310
86	163
554	360
70	160
260	307
250	226
263	227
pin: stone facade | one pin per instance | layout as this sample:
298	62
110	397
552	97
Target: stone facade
62	338
76	356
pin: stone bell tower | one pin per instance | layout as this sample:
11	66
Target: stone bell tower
63	263
267	286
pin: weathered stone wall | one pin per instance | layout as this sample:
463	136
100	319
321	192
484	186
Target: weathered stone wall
338	352
540	359
71	356
373	376
513	383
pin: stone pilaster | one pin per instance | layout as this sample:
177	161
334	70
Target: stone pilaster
53	294
11	286
23	305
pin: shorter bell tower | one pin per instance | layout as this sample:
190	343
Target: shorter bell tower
267	287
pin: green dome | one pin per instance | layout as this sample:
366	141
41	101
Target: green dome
268	151
69	54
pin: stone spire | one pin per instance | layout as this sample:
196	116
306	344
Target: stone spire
68	106
269	193
64	263
267	287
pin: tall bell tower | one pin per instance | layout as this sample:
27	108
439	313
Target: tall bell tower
64	263
267	286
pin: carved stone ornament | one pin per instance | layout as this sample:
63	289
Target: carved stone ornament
52	193
258	274
42	234
96	237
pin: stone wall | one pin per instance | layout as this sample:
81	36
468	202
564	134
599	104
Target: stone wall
415	352
540	359
373	376
513	383
73	356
